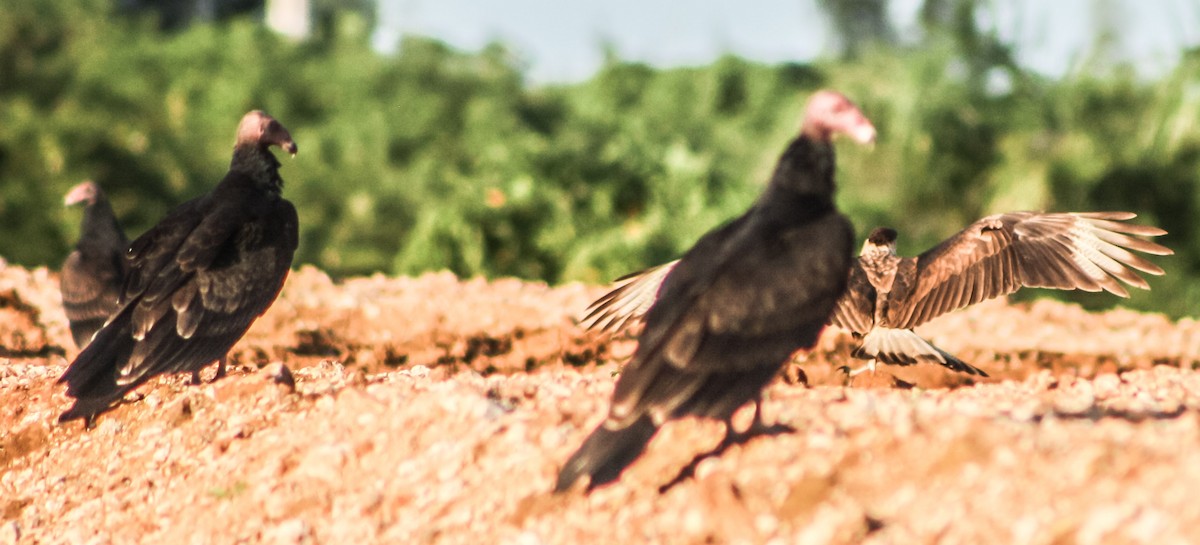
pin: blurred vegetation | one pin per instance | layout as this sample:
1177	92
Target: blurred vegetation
435	158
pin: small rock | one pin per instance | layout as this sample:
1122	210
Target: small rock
1107	385
10	533
290	531
1075	400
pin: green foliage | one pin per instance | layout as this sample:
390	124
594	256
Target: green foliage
435	158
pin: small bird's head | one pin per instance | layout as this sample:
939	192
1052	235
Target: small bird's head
830	113
882	240
84	192
258	128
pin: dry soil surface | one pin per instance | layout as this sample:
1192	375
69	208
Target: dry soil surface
438	410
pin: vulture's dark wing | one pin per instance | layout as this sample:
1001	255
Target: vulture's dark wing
627	303
91	287
729	315
198	280
151	256
1000	254
220	282
855	311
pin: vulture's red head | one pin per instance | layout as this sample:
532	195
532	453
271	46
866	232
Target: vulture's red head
830	113
84	192
258	128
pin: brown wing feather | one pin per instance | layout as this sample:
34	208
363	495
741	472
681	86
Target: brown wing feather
626	304
1000	254
855	311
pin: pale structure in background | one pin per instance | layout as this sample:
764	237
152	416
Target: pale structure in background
292	18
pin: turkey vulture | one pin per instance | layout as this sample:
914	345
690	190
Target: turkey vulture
887	295
738	304
94	272
197	279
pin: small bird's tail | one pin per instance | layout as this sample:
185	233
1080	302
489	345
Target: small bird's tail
955	364
606	453
905	347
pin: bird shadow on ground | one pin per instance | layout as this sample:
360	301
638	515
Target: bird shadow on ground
734	438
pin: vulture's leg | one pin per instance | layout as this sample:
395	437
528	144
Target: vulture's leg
220	368
220	372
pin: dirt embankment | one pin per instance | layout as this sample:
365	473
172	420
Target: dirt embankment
434	410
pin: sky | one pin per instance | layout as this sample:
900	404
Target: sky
564	40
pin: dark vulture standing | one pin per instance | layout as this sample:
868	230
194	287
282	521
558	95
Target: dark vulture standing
93	274
887	295
197	280
738	304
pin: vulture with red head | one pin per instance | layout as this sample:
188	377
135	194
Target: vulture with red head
197	280
93	274
732	311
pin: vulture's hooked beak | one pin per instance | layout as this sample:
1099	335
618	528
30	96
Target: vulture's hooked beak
864	134
290	147
84	192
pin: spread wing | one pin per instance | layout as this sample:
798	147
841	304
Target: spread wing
628	302
855	311
1000	254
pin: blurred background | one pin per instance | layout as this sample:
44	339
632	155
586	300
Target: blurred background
551	141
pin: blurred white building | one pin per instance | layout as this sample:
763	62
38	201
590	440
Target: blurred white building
292	18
